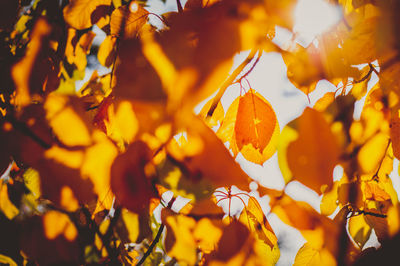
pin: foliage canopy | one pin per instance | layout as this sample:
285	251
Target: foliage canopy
122	171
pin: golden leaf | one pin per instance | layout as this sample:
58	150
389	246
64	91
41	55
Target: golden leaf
6	206
106	53
79	13
179	241
126	21
309	256
359	230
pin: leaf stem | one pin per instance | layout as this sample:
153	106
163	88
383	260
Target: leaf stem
229	81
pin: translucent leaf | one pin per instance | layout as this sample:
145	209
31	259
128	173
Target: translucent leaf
127	20
179	241
195	155
371	153
6	206
56	223
129	181
309	256
324	101
26	82
252	123
312	157
253	217
359	230
217	115
66	117
207	234
106	53
79	14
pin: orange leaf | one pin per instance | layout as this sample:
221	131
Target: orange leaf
315	153
129	182
251	127
126	21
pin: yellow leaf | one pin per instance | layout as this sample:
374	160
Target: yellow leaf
254	218
207	235
126	21
68	200
179	241
65	117
217	115
324	101
371	153
106	53
309	256
7	260
96	167
131	221
360	88
6	206
123	125
32	182
78	13
359	230
329	200
23	71
56	223
287	136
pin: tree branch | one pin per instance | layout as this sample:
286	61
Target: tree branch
178	3
229	81
152	245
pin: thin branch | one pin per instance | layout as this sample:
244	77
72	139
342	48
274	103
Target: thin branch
178	3
152	245
366	76
375	176
229	81
251	69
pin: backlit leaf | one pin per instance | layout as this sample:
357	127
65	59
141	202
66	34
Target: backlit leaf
127	20
80	13
251	125
106	53
309	256
312	157
359	230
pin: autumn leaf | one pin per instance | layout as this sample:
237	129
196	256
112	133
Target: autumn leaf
309	256
22	72
251	125
106	53
129	181
254	218
56	235
314	154
127	20
79	13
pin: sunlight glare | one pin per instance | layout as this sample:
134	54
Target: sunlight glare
313	17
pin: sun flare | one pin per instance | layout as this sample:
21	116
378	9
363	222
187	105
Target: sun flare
313	17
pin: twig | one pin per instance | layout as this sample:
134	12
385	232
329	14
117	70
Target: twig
229	81
251	69
178	3
152	245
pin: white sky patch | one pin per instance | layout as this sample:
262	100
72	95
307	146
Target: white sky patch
313	17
